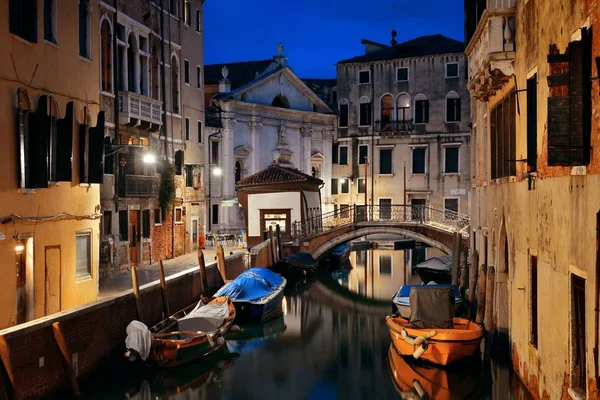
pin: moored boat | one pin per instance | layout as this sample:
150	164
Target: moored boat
257	294
339	256
435	269
402	299
187	335
297	265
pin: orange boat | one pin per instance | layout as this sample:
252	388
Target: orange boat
438	345
440	384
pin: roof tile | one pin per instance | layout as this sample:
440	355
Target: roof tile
277	174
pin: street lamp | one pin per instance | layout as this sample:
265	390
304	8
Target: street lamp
149	158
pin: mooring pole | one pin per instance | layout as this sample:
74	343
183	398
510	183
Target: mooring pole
455	258
136	292
481	294
202	267
273	247
163	289
221	263
67	358
279	246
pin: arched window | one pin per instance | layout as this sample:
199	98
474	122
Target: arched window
343	109
314	172
106	56
131	62
280	101
175	84
238	171
452	107
155	74
403	112
364	114
387	109
84	28
421	109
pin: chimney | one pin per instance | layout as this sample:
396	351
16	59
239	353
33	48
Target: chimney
224	84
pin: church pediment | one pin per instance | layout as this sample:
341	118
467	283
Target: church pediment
317	156
241	151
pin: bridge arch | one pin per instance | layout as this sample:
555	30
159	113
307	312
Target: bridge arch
374	230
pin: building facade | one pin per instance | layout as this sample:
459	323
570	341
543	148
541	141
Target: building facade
50	190
535	211
403	132
152	92
273	118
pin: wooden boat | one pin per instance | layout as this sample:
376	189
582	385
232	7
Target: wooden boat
411	377
435	269
439	346
297	266
257	294
340	256
192	333
402	299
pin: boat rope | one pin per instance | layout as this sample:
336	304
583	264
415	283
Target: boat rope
420	341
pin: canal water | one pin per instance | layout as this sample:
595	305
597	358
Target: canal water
331	343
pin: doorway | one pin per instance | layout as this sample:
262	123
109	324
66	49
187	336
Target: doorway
25	308
134	217
578	355
417	208
385	209
194	233
52	274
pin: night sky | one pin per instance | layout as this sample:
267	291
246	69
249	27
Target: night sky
318	33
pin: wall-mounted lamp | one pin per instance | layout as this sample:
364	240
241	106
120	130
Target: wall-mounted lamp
149	158
20	245
217	171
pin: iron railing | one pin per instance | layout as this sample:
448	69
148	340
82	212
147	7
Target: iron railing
380	214
141	186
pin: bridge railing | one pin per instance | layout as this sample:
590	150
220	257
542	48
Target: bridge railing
357	214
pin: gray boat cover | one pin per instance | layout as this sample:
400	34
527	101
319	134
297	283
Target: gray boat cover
431	307
204	318
139	338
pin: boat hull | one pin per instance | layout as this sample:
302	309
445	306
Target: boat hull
249	312
428	275
446	347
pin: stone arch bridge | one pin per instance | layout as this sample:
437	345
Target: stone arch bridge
443	229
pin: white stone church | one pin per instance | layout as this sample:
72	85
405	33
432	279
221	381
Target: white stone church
261	114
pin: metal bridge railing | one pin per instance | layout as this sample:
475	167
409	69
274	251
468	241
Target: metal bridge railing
446	219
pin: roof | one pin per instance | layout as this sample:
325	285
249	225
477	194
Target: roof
240	73
277	174
421	46
318	85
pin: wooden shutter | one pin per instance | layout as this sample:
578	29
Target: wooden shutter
532	123
96	153
457	109
39	126
64	148
83	153
124	225
146	223
334	186
334	153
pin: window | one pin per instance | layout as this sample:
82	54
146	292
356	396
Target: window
387	109
146	224
532	123
360	185
452	107
155	73
451	208
345	185
214	152
198	21
50	20
533	302
84	29
417	209
83	255
363	151
569	104
107	222
451	160
421	109
187	128
280	101
417	256
364	112
158	217
238	172
335	149
334	186
385	209
503	138
179	162
403	108
173	6
578	333
418	160
187	13
198	77
189	176
131	57
199	131
385	161
343	123
215	214
23	19
124	225
186	71
385	265
175	85
272	219
178	215
452	70
106	56
343	157
402	74
364	77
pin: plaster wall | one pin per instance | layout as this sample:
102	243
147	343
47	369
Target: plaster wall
256	202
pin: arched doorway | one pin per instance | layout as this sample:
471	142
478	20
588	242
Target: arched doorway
501	300
238	171
281	102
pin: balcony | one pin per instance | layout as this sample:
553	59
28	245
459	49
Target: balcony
393	128
491	50
140	111
141	186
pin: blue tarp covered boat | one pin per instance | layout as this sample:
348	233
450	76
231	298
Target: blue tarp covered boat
253	337
339	256
402	302
256	294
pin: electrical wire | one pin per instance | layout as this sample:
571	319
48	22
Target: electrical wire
58	217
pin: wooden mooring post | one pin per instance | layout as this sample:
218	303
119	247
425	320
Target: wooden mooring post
481	294
273	247
455	258
473	274
66	357
279	246
489	300
221	263
202	267
136	293
163	289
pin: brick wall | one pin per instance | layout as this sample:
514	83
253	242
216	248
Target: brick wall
93	332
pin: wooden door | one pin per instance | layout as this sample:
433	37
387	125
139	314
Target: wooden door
133	236
52	289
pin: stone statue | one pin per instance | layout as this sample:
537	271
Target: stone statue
282	133
280	49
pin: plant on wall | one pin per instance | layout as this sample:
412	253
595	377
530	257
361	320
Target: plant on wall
166	194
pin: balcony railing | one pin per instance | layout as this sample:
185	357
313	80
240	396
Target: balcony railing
141	186
393	127
137	109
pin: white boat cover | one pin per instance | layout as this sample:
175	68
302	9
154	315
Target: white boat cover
139	338
204	317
